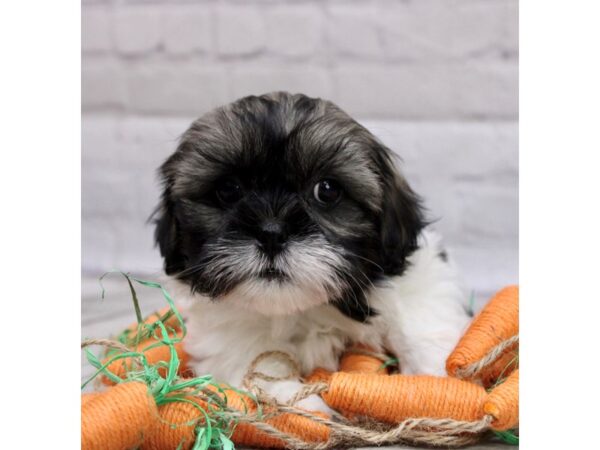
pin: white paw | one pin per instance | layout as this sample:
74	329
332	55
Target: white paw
315	403
285	390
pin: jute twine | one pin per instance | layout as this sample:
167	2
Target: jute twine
346	433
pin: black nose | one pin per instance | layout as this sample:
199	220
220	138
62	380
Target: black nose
271	237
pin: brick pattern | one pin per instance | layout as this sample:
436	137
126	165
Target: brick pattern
412	59
436	80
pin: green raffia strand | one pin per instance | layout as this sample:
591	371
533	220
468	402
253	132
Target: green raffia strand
389	362
508	436
212	433
471	308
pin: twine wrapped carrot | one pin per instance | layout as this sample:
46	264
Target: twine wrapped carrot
362	359
503	403
154	352
118	418
394	398
496	325
175	429
162	388
358	359
145	337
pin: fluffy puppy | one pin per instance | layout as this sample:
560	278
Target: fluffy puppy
288	227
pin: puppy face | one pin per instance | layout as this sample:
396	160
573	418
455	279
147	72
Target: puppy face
281	202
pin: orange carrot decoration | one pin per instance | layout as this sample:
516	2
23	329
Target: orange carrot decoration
394	398
175	428
154	355
496	323
118	418
503	403
358	359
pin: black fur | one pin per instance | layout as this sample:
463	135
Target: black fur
277	147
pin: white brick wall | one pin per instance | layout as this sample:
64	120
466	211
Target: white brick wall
436	79
419	59
137	31
294	31
187	30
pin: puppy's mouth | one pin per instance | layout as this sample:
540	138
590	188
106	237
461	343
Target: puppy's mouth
273	274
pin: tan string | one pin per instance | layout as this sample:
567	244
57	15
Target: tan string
106	343
476	367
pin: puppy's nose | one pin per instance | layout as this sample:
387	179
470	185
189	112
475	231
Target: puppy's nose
271	237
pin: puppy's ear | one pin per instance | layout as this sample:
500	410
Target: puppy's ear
166	236
401	217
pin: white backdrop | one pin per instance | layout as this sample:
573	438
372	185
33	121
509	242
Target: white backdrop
436	80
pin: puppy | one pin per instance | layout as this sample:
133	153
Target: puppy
288	227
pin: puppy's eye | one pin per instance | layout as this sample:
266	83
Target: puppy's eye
327	192
228	191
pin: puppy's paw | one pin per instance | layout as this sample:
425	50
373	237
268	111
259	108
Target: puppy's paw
284	391
315	403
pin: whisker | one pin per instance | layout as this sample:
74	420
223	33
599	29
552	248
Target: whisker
360	286
363	258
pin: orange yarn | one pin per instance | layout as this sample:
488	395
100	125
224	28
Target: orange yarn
174	428
89	396
394	398
318	375
361	363
498	321
118	418
503	403
154	355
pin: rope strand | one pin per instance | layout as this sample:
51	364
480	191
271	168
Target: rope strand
473	369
